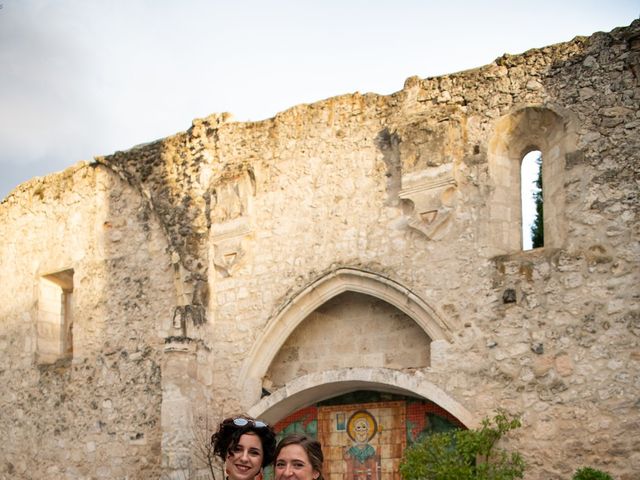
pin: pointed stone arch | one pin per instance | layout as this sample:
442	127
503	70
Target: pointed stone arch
331	284
315	387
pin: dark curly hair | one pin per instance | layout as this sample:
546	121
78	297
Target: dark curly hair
228	436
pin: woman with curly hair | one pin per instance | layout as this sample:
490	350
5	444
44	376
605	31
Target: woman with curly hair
245	445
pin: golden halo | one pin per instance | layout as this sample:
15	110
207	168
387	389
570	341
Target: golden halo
367	417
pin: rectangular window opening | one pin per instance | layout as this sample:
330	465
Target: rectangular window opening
55	317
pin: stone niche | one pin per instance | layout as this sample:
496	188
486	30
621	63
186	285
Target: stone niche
429	149
231	221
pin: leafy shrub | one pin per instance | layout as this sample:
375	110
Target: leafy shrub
588	473
465	454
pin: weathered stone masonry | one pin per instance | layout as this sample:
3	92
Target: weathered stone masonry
361	242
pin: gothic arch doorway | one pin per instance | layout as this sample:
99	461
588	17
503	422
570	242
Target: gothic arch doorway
340	282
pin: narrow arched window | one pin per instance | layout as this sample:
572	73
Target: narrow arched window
532	200
543	134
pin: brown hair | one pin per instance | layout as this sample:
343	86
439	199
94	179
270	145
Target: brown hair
311	447
228	436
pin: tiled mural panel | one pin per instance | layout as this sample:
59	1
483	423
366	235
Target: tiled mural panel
365	441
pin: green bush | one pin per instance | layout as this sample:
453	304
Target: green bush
465	454
588	473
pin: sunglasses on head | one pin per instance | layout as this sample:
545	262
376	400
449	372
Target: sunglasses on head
243	422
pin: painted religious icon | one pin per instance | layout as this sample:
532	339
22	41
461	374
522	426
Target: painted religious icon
340	422
360	441
362	458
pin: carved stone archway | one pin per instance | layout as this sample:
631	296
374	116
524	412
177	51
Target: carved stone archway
315	387
338	281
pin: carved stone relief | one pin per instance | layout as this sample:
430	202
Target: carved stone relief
230	244
432	193
231	198
231	222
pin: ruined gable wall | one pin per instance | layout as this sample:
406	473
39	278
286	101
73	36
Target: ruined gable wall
324	202
330	184
254	212
98	412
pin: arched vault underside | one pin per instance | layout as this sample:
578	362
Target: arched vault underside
315	387
297	309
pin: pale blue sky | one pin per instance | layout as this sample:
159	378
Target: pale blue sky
80	78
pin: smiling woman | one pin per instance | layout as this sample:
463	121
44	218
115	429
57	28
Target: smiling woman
245	445
298	457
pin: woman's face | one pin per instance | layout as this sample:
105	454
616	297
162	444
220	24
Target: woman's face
293	463
245	460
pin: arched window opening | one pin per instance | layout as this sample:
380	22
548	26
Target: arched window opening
551	136
532	200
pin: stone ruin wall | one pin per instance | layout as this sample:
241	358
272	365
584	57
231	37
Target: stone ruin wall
205	235
95	415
